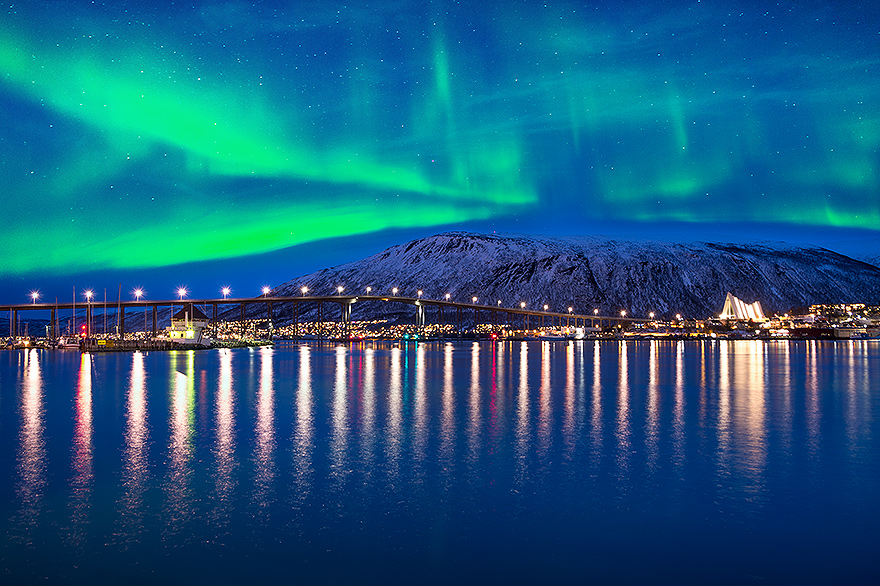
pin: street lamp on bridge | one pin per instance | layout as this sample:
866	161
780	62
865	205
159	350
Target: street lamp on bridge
35	295
181	292
225	291
266	289
304	290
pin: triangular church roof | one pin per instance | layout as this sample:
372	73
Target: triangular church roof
191	312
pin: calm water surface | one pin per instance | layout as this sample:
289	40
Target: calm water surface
582	462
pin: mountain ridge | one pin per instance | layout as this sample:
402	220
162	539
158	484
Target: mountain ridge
598	272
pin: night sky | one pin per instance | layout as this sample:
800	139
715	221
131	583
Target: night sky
231	143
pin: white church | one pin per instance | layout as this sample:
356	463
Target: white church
737	309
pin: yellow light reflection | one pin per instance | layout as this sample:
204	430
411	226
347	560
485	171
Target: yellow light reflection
136	466
812	402
420	435
596	427
224	441
339	417
473	433
264	431
83	473
368	427
177	484
724	409
395	416
447	418
622	433
750	414
522	429
545	410
32	446
569	410
304	431
652	424
678	424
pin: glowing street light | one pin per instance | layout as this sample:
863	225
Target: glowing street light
225	291
394	291
419	293
623	313
570	309
138	293
266	290
651	315
369	289
448	296
522	304
304	290
88	327
678	316
474	298
546	307
339	289
499	303
181	292
35	295
595	312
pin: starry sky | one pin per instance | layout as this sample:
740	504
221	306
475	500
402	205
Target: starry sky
246	143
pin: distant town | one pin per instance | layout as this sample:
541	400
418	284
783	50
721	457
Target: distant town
190	327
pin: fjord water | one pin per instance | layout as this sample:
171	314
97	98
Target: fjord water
522	462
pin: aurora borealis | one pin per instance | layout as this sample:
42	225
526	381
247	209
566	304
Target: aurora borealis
134	136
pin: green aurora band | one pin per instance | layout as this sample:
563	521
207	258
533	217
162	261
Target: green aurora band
210	133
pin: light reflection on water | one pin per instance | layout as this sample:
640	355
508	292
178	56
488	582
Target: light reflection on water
31	448
331	448
135	468
81	464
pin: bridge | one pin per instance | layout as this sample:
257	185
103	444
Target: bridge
536	318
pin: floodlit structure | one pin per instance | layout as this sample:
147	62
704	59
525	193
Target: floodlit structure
188	325
735	308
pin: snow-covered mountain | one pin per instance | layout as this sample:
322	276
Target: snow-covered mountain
587	272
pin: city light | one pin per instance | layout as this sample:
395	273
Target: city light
340	289
88	293
304	290
522	304
420	293
651	315
448	296
595	312
475	299
266	290
570	309
623	313
499	303
678	316
225	291
546	307
35	295
394	291
369	289
138	293
181	292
